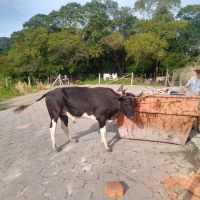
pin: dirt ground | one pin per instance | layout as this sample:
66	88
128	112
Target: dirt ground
30	169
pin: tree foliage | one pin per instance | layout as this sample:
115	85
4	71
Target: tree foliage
99	36
158	9
4	45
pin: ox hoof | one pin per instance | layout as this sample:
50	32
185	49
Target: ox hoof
57	149
109	149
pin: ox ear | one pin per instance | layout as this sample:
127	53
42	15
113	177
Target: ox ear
121	98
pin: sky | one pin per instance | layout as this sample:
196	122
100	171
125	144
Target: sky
13	13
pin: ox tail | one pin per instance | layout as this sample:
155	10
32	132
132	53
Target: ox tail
23	107
44	95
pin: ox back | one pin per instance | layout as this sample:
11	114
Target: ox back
100	102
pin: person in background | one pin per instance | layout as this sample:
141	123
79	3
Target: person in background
193	85
193	89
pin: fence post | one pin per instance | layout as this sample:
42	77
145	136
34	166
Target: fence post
58	78
60	81
29	81
131	78
99	78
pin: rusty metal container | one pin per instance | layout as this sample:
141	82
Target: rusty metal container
163	118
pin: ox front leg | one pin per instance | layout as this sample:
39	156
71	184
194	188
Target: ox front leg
52	133
103	138
64	126
102	126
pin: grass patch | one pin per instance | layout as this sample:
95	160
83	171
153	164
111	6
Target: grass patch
19	88
7	92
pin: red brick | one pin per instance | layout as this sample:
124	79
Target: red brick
114	189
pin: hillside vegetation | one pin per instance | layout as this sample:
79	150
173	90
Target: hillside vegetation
99	36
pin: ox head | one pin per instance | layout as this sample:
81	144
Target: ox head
128	102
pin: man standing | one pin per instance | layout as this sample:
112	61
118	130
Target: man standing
193	85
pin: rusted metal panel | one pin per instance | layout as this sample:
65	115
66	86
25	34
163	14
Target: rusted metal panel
161	118
171	105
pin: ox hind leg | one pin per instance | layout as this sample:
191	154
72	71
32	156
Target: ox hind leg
102	127
64	126
52	129
54	113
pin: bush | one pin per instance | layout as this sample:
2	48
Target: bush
144	67
174	60
22	87
40	86
182	75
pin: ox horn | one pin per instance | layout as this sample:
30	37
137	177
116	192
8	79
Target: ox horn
140	94
121	91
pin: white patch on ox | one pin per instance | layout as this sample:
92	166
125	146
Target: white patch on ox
52	133
73	118
85	115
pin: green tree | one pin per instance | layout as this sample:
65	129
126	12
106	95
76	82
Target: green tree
66	50
5	43
28	47
124	22
189	41
158	9
70	15
146	45
37	21
113	46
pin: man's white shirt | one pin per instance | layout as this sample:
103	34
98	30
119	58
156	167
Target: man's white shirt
194	84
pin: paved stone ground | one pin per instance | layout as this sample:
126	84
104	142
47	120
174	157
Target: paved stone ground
30	169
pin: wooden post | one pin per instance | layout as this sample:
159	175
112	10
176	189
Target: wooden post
60	81
131	78
29	81
167	82
180	82
57	79
99	78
